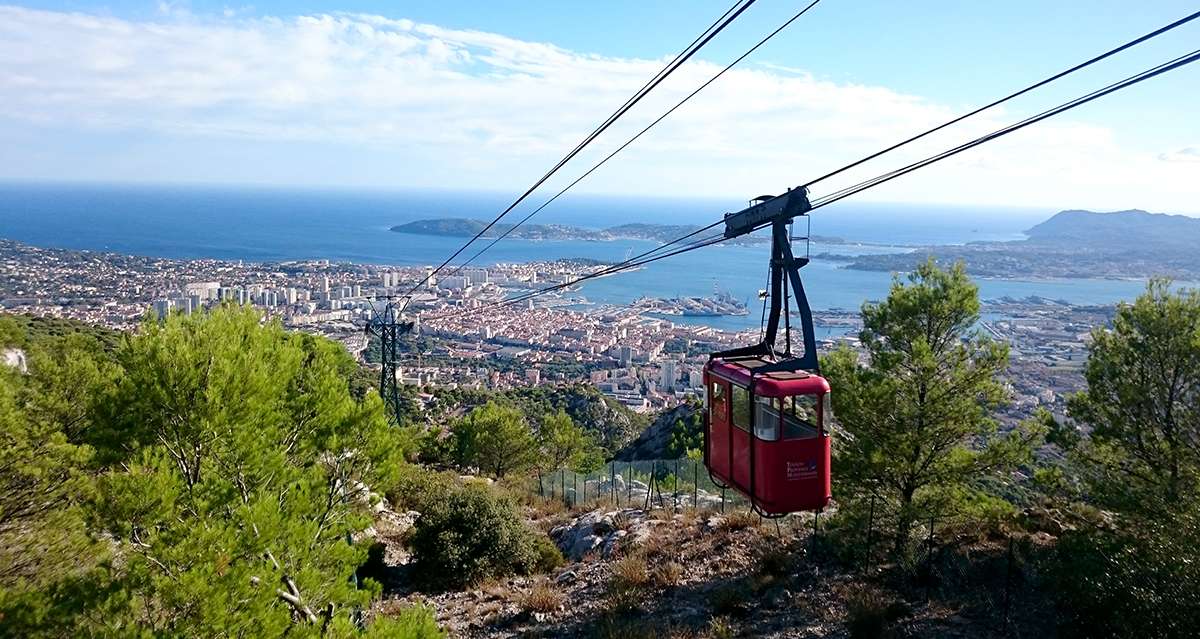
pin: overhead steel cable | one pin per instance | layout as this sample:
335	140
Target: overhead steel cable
724	21
1137	78
635	137
1107	54
1011	96
609	270
1152	72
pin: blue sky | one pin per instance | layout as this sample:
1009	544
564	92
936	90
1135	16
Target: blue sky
487	95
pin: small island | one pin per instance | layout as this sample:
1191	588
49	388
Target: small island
465	227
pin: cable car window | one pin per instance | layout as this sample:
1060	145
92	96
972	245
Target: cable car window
741	407
766	418
800	416
826	411
716	402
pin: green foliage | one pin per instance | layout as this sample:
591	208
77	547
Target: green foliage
44	481
687	436
230	465
1142	404
1137	581
563	444
495	439
611	424
414	622
1134	447
473	534
917	416
416	488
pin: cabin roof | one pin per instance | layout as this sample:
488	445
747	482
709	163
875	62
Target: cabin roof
779	384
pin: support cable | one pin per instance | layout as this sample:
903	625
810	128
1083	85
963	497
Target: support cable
646	258
725	20
635	137
1061	74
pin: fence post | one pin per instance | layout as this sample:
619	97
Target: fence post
675	489
870	531
816	533
929	561
541	489
695	486
628	483
575	485
722	500
562	480
612	483
1008	580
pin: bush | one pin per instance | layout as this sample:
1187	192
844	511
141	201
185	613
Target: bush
870	613
473	534
418	488
631	572
1143	580
415	622
547	556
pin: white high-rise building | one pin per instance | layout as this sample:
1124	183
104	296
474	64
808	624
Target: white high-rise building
668	375
476	276
162	308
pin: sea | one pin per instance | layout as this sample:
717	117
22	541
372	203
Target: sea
279	224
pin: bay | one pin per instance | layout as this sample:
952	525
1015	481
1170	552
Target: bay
267	224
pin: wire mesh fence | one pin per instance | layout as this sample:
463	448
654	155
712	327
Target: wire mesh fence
670	484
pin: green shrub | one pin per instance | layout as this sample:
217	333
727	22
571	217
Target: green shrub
471	535
416	488
415	622
547	556
1143	580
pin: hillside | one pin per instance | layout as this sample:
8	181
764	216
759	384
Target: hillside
1118	231
1071	244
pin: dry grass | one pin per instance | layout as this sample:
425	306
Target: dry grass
658	545
544	596
631	571
494	588
667	574
741	520
545	506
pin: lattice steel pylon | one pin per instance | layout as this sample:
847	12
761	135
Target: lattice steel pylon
385	326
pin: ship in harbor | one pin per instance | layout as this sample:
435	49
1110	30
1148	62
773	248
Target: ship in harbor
719	304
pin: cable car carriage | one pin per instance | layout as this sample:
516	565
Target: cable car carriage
767	411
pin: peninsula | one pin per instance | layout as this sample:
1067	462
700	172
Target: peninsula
464	227
1071	244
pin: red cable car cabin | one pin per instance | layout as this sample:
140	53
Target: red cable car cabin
766	434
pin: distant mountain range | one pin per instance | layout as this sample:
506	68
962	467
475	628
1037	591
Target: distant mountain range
462	227
1072	243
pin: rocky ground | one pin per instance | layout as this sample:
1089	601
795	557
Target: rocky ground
633	573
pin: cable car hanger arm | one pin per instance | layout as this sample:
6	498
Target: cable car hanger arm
778	212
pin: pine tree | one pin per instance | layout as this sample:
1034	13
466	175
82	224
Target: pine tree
495	439
1142	404
917	417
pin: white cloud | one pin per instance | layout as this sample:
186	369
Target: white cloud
482	109
1186	154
